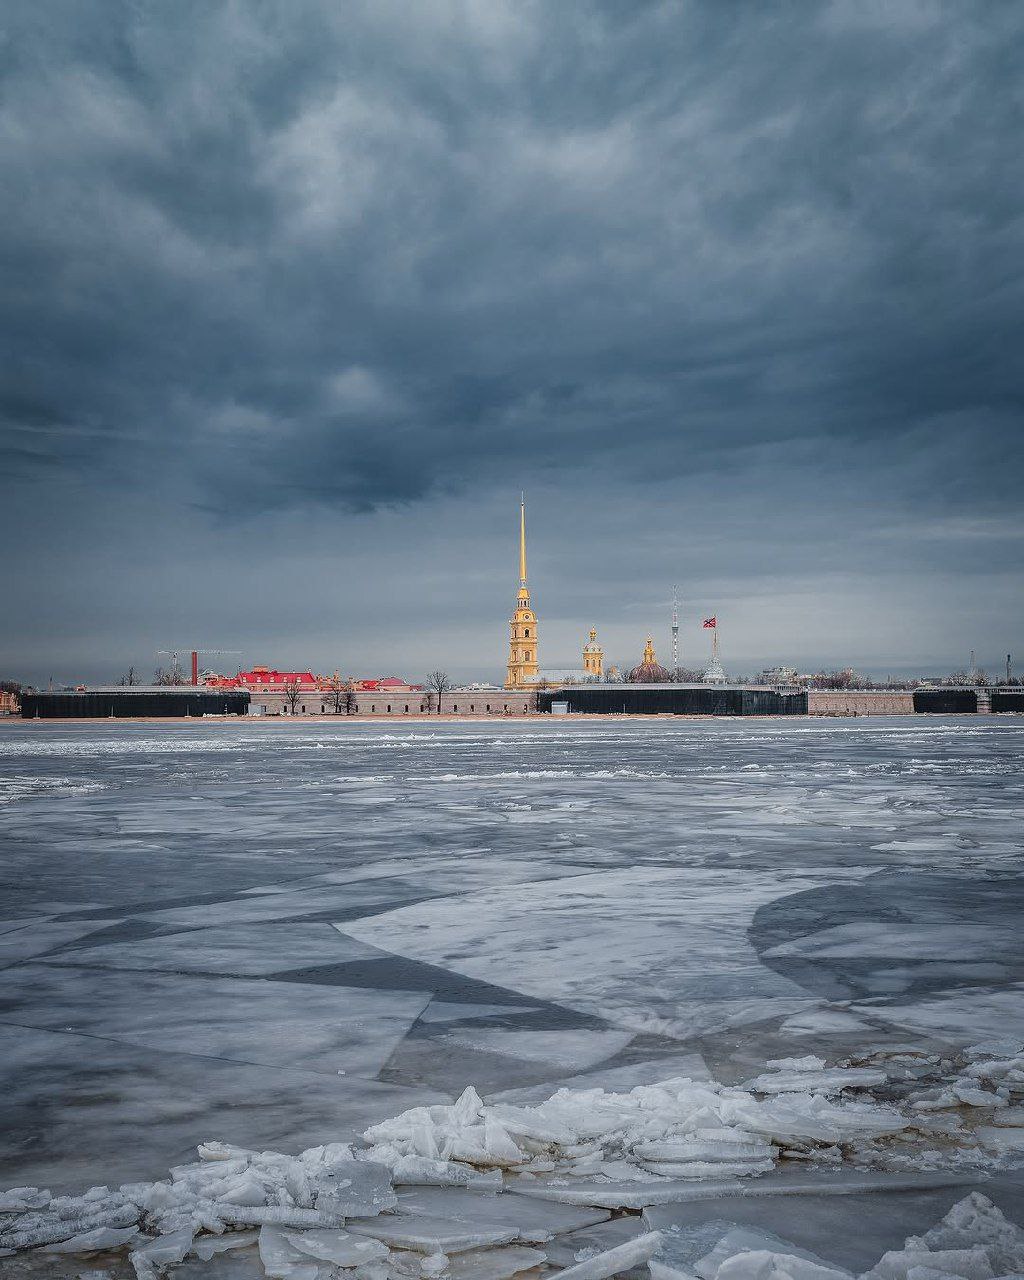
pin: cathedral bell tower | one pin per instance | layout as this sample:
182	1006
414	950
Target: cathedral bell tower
522	649
593	657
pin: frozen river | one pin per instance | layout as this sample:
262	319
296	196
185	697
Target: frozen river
277	935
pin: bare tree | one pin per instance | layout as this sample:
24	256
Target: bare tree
129	677
336	693
845	679
687	675
438	683
343	695
292	694
172	675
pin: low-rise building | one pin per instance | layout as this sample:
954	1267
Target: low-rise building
304	693
779	675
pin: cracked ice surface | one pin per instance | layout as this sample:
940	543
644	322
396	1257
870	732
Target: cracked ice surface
282	935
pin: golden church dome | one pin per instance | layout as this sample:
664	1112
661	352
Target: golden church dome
650	670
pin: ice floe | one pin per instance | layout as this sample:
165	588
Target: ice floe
477	1191
810	1075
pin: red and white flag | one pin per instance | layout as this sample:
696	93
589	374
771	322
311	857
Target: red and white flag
711	622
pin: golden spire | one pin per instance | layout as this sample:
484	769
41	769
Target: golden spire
522	651
649	658
522	540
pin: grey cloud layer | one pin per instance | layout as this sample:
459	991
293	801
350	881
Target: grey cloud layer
284	256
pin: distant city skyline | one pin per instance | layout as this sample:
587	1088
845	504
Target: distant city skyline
297	300
792	629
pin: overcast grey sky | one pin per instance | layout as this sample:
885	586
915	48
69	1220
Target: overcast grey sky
297	296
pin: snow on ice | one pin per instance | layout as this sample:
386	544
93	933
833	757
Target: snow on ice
473	1191
712	983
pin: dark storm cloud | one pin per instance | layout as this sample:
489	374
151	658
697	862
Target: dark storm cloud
283	257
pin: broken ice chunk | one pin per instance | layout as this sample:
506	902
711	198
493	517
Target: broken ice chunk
222	1151
701	1169
763	1265
354	1188
809	1062
377	1270
245	1189
970	1264
274	1215
281	1260
677	1150
485	1144
565	1251
614	1261
424	1234
814	1118
205	1247
163	1252
209	1171
929	1273
533	1222
72	1218
328	1153
340	1247
794	1079
684	1242
661	1271
493	1264
1013	1117
976	1220
958	1093
1005	1142
18	1199
412	1171
614	1194
92	1241
750	1240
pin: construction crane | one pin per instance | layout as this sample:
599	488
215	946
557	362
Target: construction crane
176	670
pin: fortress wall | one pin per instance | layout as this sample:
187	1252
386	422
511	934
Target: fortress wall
399	702
841	702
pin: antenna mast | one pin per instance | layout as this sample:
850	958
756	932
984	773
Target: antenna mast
675	633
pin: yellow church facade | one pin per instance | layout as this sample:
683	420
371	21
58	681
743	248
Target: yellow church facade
593	657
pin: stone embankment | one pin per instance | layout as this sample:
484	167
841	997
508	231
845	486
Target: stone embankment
859	702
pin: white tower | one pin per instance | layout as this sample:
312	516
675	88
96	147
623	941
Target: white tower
714	673
675	633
